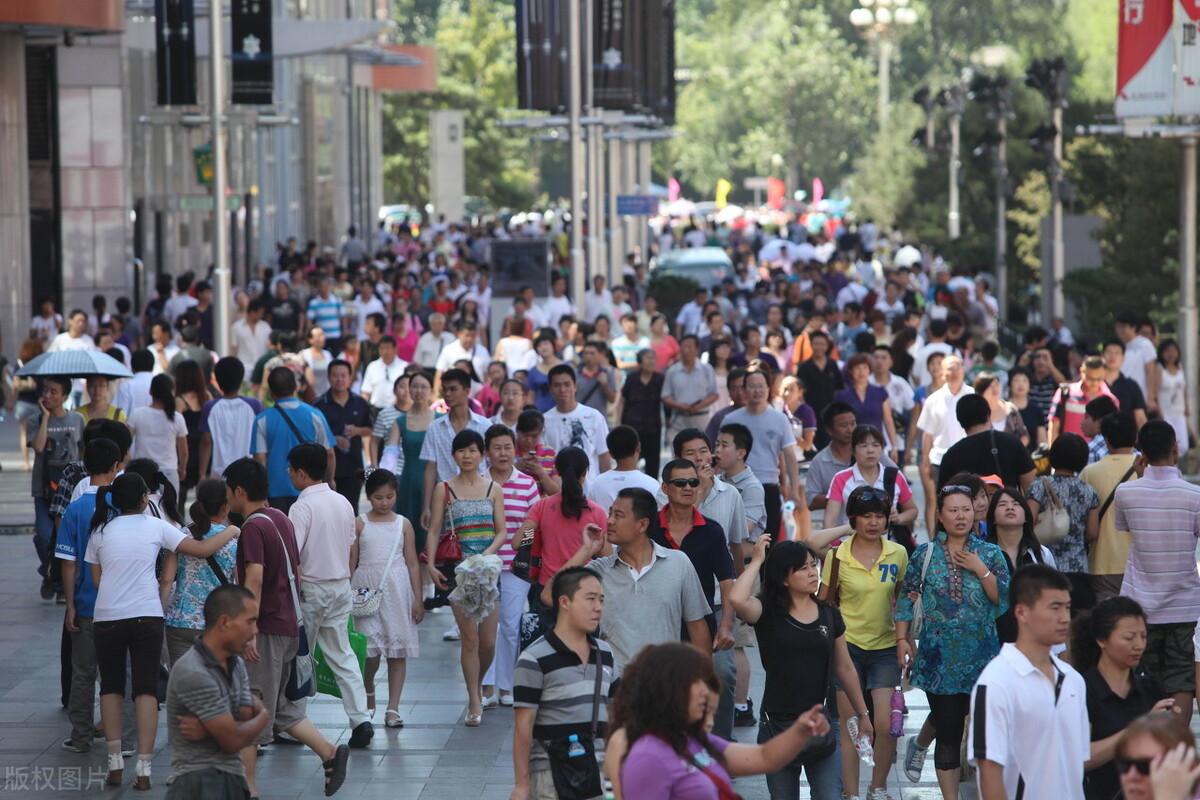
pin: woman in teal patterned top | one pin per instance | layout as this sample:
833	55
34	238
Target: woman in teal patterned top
965	590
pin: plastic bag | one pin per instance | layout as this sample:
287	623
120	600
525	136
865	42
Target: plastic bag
478	585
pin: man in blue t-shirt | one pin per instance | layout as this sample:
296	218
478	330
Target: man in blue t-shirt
102	459
280	428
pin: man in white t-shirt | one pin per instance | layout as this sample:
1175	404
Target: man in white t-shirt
227	422
46	325
364	305
432	342
465	346
251	336
1141	359
1029	731
557	305
598	301
571	424
625	447
75	337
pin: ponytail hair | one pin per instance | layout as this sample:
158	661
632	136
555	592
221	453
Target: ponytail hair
1097	624
162	391
210	499
571	463
124	495
156	481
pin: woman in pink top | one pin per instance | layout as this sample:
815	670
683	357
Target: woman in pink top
661	721
663	343
406	336
559	520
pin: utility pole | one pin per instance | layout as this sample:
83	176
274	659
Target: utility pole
1049	77
1189	316
953	99
575	134
996	97
594	134
223	290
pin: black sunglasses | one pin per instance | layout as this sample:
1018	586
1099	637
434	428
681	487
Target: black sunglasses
1142	765
679	483
872	493
956	488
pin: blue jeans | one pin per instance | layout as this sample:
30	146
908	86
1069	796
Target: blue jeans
43	533
726	669
824	776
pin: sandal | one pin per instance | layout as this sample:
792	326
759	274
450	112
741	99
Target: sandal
371	704
335	770
391	719
473	720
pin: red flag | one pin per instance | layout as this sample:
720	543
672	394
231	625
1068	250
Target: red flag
776	191
818	190
672	190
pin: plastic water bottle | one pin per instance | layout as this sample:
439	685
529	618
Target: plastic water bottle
896	726
575	748
862	743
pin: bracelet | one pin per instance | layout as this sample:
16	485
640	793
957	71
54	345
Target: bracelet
985	575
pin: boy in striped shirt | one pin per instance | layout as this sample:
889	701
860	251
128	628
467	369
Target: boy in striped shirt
520	493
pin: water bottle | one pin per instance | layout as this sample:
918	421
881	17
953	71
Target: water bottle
896	727
575	748
862	743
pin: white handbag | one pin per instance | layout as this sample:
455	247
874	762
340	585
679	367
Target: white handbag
1054	520
918	620
366	599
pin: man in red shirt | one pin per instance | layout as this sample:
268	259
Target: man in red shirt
1066	414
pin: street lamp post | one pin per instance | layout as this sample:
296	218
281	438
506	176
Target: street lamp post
222	294
882	22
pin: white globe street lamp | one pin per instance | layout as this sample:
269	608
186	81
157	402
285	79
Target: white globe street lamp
883	22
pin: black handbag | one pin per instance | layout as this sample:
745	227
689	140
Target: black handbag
573	763
901	534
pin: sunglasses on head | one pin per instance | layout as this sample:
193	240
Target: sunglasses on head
956	488
1142	765
873	493
679	483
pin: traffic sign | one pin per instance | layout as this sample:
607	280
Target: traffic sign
204	202
637	205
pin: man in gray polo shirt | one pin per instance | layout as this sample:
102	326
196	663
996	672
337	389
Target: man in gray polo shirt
211	714
689	389
648	590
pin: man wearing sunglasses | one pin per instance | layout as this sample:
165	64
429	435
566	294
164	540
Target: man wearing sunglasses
1029	731
679	525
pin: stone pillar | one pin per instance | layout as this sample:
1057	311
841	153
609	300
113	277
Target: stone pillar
15	302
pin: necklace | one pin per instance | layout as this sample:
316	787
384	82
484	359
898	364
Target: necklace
956	581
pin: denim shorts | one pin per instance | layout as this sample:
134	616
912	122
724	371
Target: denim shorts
877	669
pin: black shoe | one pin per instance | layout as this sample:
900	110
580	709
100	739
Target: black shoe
47	589
361	735
745	719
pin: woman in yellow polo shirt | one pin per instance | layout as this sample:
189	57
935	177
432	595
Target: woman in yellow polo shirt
862	576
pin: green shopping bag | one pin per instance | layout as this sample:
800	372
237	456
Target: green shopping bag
326	682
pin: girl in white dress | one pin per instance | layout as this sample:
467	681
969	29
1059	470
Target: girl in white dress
1172	391
392	630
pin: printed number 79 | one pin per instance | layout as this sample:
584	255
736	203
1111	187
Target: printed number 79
888	571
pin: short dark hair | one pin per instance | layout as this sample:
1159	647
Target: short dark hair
736	374
972	410
566	582
101	456
1031	580
116	432
456	376
1156	440
1100	407
937	327
282	382
1119	430
1130	318
622	442
142	361
309	458
675	464
1114	342
561	369
248	475
229	372
644	504
497	431
387	340
340	362
833	411
742	438
60	382
466	438
530	420
1070	451
686	435
227	600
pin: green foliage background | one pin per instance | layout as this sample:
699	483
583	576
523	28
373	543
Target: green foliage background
788	88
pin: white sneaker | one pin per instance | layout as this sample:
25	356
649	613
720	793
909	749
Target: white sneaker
879	794
506	699
490	702
451	634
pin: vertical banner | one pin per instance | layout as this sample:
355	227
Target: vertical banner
251	52
175	52
617	54
1187	58
1145	58
447	178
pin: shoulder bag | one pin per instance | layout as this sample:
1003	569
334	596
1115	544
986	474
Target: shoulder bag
901	534
366	599
918	620
449	549
573	762
295	431
300	682
1113	494
1054	521
832	592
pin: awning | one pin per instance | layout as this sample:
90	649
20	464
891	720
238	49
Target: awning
291	37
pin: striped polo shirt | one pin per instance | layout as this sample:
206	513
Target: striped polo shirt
560	688
326	314
1161	511
520	493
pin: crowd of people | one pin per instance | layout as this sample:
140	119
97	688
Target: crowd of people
375	446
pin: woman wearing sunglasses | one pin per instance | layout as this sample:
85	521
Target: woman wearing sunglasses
1156	759
861	577
965	588
1106	646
